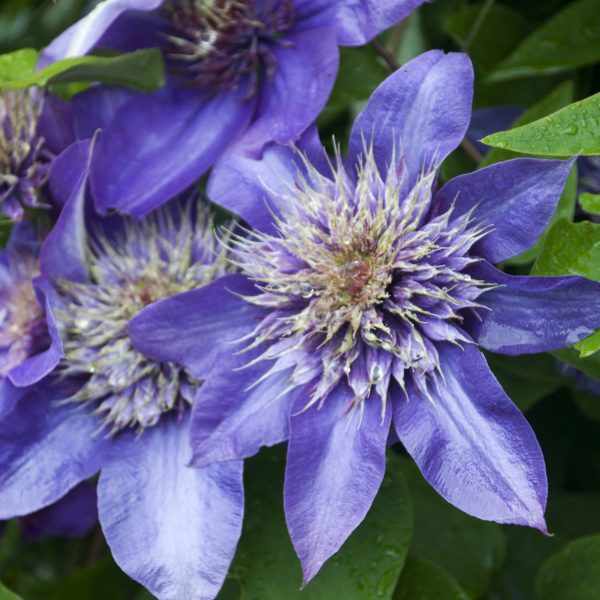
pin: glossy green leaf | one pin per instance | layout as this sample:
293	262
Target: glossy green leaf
17	65
422	580
590	203
472	551
572	130
573	249
367	566
141	70
558	98
570	249
573	573
526	379
589	345
6	594
568	40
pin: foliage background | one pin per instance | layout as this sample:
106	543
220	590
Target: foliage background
539	55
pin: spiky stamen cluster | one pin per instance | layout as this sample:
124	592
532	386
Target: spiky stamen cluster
146	261
23	331
23	158
218	44
361	280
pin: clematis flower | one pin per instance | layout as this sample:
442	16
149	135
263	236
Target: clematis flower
29	345
108	408
243	71
364	298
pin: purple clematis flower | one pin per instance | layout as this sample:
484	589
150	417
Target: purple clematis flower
364	297
107	407
249	71
34	127
29	343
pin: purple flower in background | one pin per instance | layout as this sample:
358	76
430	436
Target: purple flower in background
243	71
364	297
24	160
107	407
28	343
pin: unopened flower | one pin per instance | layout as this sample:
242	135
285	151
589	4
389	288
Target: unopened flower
364	296
240	72
107	407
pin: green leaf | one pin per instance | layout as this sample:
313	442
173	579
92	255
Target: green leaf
6	594
567	41
472	551
574	249
564	210
142	70
17	65
570	249
527	379
367	566
589	345
559	97
572	130
590	203
422	580
569	516
573	573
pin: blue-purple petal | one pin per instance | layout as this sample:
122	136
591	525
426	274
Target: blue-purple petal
171	527
66	171
46	448
195	328
356	21
63	254
472	444
157	145
515	198
293	98
234	416
534	314
335	465
420	113
36	367
96	107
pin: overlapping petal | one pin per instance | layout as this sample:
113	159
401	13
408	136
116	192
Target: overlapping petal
335	465
196	328
171	527
417	115
515	199
46	448
472	444
159	144
534	314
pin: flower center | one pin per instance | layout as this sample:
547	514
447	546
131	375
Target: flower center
23	160
162	255
363	281
225	44
23	330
